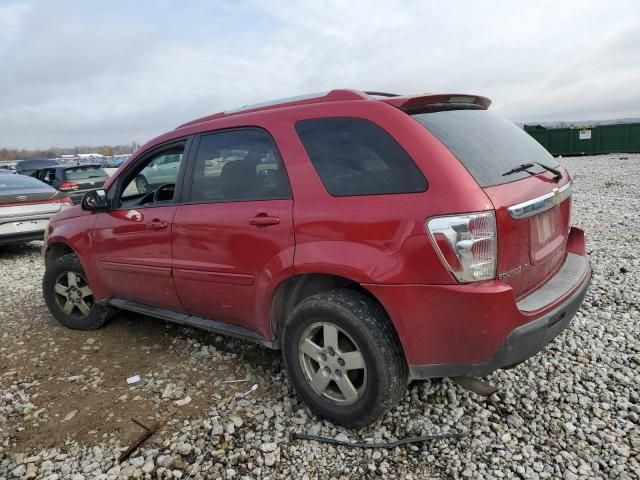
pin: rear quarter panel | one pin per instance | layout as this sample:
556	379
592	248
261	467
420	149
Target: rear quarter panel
374	238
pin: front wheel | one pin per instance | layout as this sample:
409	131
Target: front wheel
343	357
69	297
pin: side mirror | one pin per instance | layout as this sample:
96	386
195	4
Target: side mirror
95	200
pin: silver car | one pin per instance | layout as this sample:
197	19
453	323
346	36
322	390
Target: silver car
26	204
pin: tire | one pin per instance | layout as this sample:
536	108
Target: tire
361	324
142	184
85	313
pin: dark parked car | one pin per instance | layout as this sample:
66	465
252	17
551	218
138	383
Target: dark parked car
375	239
74	180
33	167
26	204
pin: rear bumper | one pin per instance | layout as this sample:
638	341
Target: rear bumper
522	343
474	329
35	228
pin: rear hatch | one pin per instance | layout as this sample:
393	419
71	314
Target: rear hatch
83	178
531	193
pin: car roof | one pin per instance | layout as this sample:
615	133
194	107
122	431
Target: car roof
404	102
35	164
250	113
83	165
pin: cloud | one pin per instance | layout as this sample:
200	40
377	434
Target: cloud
98	73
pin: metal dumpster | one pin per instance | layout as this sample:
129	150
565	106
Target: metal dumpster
592	140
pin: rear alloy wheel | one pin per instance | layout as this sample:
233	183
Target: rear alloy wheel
332	363
69	297
343	357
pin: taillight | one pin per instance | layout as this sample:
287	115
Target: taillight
68	186
466	244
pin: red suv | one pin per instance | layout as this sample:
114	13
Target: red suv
375	239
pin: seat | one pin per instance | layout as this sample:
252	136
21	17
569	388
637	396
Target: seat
239	179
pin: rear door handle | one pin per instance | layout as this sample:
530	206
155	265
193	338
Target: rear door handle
264	220
157	225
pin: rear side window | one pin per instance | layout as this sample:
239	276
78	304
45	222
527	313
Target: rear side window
354	156
238	165
486	144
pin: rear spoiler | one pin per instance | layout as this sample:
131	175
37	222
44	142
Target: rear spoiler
437	102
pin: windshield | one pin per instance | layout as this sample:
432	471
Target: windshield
487	145
82	173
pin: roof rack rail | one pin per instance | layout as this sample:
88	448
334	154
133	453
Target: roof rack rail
330	96
382	94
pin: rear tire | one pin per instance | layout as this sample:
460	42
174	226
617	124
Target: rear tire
69	298
343	357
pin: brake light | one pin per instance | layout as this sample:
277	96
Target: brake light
466	244
68	186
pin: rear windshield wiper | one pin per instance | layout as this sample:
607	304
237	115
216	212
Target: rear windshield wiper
520	168
557	175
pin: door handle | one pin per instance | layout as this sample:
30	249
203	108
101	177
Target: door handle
264	220
157	225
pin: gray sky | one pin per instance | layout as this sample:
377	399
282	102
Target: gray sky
94	72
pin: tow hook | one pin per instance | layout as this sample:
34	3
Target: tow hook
475	385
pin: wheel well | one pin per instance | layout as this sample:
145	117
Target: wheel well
56	250
295	289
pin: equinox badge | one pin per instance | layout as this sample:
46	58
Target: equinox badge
514	271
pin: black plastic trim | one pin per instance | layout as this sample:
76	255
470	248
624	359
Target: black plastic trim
15	238
190	321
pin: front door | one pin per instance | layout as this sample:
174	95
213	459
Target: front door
233	238
133	240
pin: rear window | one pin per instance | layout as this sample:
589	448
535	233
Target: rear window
15	182
82	173
486	144
356	157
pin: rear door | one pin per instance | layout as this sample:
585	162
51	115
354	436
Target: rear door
532	204
234	237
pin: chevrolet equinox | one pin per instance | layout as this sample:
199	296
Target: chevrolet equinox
374	238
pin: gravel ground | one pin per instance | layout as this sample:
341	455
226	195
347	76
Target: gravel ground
571	412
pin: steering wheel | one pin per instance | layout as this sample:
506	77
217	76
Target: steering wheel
167	189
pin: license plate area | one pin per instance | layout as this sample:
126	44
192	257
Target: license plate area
547	234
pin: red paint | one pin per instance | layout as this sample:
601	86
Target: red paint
224	261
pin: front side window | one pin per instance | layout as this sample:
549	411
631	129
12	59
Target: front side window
354	156
238	165
155	181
